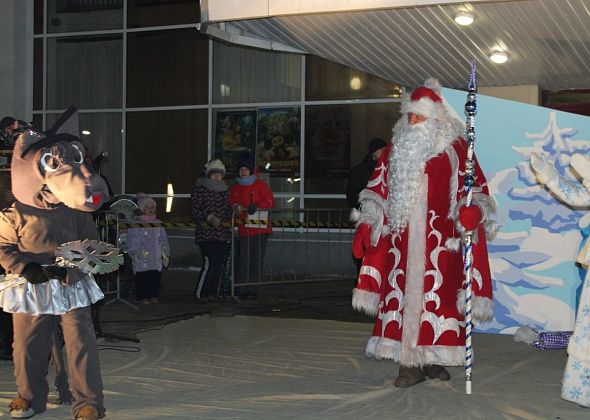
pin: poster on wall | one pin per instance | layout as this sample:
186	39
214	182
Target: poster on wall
536	279
277	148
235	133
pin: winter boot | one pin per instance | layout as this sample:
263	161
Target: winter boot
21	409
409	376
437	372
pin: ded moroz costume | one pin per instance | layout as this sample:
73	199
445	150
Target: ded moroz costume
412	275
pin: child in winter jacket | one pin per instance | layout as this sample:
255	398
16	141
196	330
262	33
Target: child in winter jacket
149	251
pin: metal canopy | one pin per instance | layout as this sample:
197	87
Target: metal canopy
547	41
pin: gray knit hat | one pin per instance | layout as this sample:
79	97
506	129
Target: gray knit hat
214	166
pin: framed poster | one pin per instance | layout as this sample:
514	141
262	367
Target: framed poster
278	148
235	132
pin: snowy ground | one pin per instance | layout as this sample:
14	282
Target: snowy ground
245	367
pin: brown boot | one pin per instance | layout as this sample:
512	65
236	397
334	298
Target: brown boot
87	413
409	376
437	372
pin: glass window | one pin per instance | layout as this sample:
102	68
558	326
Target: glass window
38	17
576	101
246	75
141	13
177	210
84	71
82	15
337	138
166	68
326	80
165	147
38	74
101	134
334	212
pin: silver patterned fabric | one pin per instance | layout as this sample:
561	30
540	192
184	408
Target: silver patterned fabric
50	298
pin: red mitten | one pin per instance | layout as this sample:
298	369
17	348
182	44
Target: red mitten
362	240
470	217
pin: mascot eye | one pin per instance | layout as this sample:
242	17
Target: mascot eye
48	163
78	155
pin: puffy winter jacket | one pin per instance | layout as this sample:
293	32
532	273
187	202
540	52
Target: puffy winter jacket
257	193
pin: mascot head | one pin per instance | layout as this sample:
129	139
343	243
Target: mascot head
49	168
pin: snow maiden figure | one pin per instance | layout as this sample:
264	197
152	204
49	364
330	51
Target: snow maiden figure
576	378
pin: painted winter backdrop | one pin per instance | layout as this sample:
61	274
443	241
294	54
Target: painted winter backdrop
533	256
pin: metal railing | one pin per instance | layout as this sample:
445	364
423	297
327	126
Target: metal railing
304	245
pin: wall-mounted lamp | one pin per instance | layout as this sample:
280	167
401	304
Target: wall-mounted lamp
499	57
464	18
355	83
169	197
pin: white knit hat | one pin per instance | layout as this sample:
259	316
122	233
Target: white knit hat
143	199
214	166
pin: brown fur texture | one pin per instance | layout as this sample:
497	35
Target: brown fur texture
87	413
19	403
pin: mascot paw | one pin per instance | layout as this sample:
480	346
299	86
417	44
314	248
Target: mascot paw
34	273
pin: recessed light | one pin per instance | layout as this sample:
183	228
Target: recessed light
464	18
499	57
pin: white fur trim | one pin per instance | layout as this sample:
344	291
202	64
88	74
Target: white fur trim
414	284
364	301
372	213
482	308
453	181
355	215
425	107
386	348
453	244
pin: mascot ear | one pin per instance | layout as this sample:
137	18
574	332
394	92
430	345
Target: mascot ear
29	138
68	123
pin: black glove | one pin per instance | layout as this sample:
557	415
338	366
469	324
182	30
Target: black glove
34	273
74	275
55	272
252	209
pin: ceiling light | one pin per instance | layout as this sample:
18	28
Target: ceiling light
464	18
499	57
86	132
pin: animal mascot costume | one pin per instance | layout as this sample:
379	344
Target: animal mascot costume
55	193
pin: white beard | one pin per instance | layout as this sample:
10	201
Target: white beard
413	146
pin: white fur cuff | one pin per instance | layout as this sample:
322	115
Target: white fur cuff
482	309
365	301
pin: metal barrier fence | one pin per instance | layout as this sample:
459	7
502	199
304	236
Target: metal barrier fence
304	245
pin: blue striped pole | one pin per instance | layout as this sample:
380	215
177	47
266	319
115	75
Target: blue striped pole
470	111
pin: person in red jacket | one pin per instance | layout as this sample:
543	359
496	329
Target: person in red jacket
252	199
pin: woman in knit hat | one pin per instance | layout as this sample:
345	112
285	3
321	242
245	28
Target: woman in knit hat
211	212
149	251
249	195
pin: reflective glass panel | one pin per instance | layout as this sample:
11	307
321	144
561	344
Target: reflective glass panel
84	71
337	138
326	80
84	15
165	147
141	13
38	17
38	74
246	75
166	68
101	134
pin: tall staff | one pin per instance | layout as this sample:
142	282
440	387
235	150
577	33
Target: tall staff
468	183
